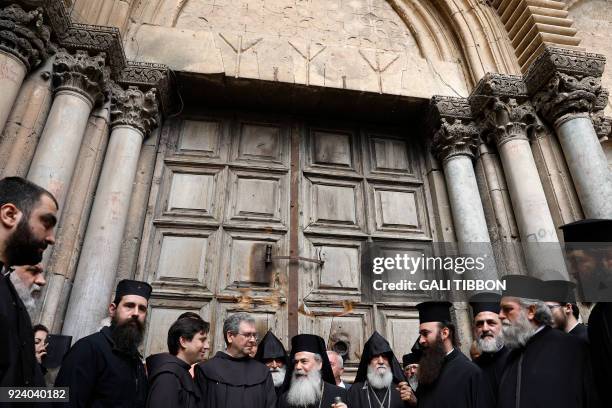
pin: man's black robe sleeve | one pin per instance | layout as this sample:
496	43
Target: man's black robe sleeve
270	393
165	391
80	378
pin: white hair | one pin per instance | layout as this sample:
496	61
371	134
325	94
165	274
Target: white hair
337	356
379	380
278	375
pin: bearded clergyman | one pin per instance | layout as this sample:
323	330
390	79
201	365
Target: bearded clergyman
489	339
380	381
271	352
105	369
546	367
447	378
309	382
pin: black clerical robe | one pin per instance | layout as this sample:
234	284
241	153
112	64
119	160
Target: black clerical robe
492	366
600	338
170	383
461	384
99	375
330	392
228	382
552	370
359	393
580	331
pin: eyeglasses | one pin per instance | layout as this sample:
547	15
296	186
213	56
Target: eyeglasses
249	335
551	307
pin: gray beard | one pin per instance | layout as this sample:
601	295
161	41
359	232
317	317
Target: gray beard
25	294
413	382
518	333
305	391
488	345
278	376
378	380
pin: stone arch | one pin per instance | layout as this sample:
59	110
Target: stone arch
458	40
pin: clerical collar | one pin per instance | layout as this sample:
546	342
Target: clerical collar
448	354
539	329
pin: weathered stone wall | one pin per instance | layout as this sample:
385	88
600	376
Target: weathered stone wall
594	24
359	44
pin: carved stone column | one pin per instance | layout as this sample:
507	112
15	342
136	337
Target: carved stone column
79	81
454	145
567	92
133	115
501	103
24	44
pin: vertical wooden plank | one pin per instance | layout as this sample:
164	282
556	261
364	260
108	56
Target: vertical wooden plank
293	232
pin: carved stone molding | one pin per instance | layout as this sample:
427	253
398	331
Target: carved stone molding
501	103
601	123
135	108
454	131
24	35
148	75
564	81
82	73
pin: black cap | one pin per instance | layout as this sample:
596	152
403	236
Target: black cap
132	287
560	291
591	230
270	347
434	312
410	358
522	286
485	302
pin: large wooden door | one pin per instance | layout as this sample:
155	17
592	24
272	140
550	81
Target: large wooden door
225	209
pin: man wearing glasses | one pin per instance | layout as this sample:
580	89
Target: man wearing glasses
232	378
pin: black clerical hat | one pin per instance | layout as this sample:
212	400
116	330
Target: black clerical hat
485	302
132	287
560	291
522	286
375	346
270	347
434	312
591	230
410	358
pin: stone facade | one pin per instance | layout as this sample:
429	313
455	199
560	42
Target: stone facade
238	154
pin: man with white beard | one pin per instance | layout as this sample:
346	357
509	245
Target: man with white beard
28	282
489	338
546	367
309	382
380	381
272	353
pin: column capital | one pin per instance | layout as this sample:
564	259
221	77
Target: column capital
501	103
565	82
454	131
135	108
24	35
81	73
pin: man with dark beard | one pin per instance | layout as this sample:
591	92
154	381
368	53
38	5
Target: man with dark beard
560	299
489	338
380	381
27	220
546	367
593	264
447	378
232	378
309	382
272	353
105	369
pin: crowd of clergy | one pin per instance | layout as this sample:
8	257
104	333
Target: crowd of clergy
530	349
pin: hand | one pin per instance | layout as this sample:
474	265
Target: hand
406	393
40	355
339	405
